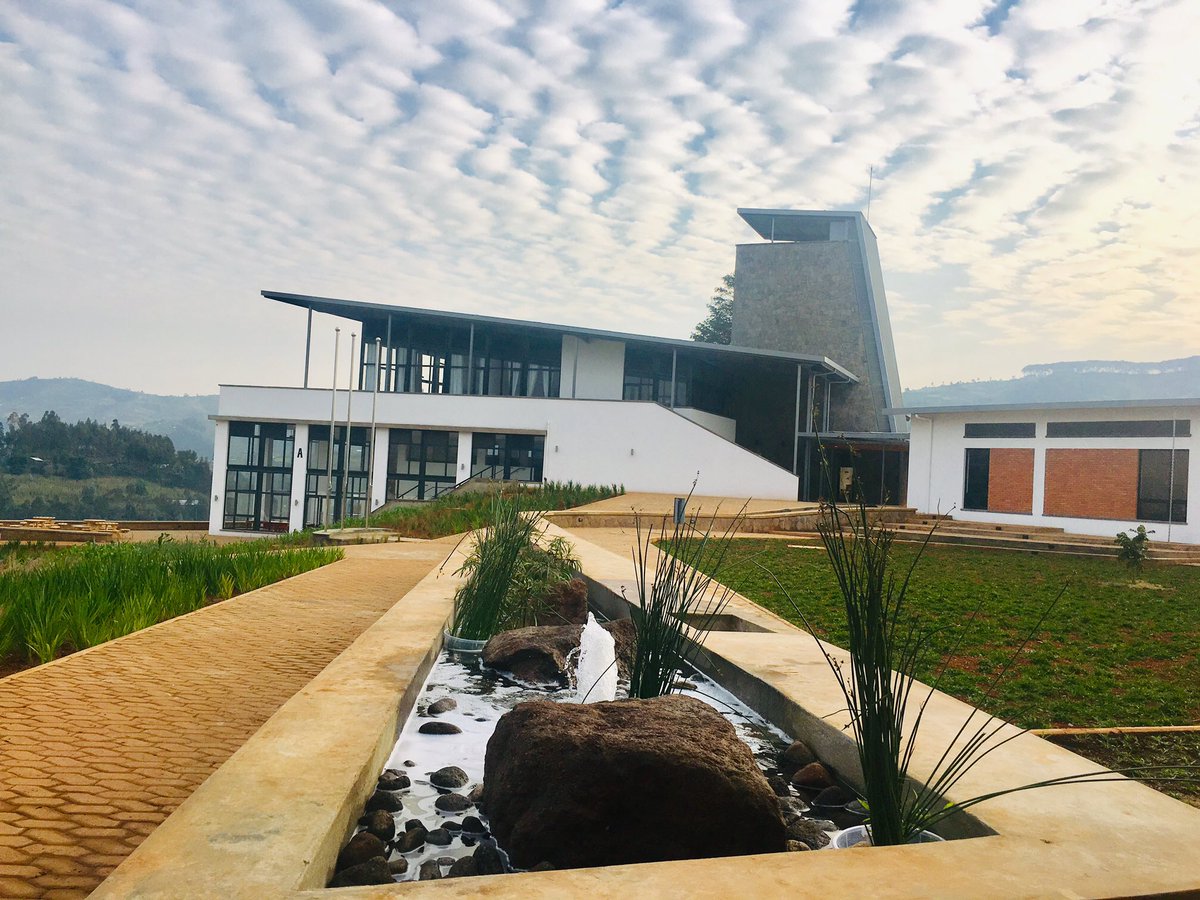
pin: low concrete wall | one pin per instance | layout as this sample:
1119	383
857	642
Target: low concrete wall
269	822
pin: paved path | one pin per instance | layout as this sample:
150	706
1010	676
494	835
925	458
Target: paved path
99	747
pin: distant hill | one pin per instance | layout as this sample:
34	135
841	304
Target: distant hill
183	419
1091	379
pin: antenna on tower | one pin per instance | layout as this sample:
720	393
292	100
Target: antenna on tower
870	186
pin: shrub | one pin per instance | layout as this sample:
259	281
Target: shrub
1133	546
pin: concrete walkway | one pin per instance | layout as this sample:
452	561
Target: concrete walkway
96	749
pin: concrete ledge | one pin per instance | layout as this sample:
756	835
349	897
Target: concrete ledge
270	822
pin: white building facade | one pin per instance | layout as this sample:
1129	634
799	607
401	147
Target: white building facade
1089	468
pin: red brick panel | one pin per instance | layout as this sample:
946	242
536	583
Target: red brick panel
1010	480
1092	484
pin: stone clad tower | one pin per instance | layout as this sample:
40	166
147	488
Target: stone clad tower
816	287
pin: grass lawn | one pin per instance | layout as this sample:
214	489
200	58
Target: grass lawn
1119	649
1163	749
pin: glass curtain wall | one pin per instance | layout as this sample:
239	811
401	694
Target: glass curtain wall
421	464
697	384
507	457
446	360
258	476
347	495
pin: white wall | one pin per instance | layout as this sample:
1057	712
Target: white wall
299	475
937	456
592	369
725	427
220	458
641	445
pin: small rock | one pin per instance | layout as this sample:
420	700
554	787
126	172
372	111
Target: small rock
467	840
452	826
398	866
429	871
472	825
409	763
813	777
488	861
439	837
384	800
476	794
446	861
373	871
411	840
452	803
779	786
393	780
449	777
413	824
831	796
360	848
794	846
437	707
439	728
795	757
380	823
463	867
543	866
813	832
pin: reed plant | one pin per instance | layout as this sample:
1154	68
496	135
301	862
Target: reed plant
83	596
887	647
678	599
479	603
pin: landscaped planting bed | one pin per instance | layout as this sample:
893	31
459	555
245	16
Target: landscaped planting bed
79	597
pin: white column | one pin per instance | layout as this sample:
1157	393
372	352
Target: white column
379	455
216	507
299	478
464	457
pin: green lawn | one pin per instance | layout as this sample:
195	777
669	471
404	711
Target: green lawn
1119	649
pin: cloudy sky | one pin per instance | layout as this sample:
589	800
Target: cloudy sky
1036	191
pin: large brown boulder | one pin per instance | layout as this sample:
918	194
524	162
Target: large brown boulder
564	604
538	654
629	781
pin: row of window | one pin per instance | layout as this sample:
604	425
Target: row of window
1161	489
421	464
1145	428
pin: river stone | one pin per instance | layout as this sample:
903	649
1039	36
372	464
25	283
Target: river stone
832	796
380	823
359	849
452	826
393	780
398	866
779	786
472	825
452	803
794	846
566	603
464	867
413	824
439	837
632	781
411	840
373	871
439	728
449	777
795	757
813	777
538	654
384	800
475	794
813	832
488	860
429	871
445	704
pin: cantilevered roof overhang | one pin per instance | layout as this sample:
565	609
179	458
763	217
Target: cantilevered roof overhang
361	310
798	224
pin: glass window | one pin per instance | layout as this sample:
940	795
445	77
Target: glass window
1162	485
999	430
1143	428
975	482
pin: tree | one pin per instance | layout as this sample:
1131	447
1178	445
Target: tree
717	326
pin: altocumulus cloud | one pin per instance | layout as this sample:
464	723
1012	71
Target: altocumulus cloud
1036	169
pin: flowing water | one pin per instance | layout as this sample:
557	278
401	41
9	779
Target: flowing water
483	696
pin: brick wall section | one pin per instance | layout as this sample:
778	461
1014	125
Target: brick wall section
1010	480
1092	484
